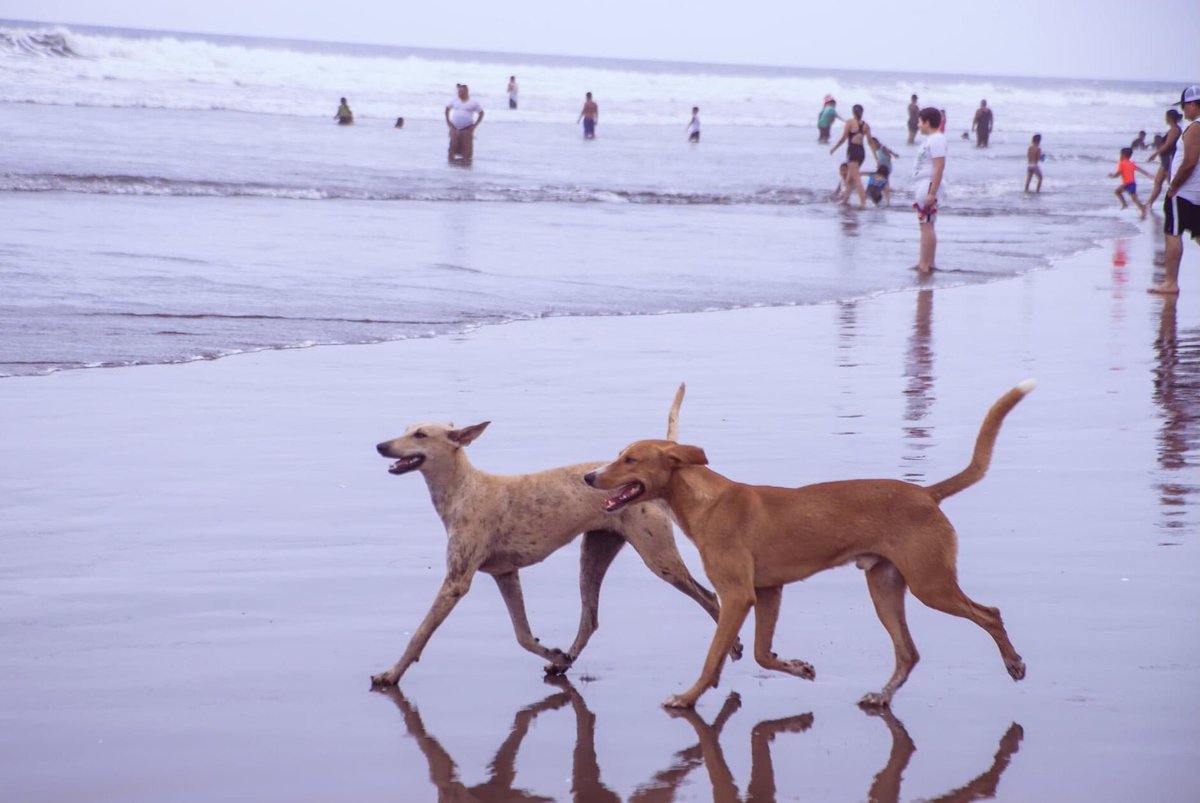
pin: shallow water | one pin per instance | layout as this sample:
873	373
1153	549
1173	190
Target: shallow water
169	199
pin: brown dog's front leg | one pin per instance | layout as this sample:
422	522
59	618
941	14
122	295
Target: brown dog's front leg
734	608
766	614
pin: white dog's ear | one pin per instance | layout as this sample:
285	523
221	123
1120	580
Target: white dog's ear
465	435
687	456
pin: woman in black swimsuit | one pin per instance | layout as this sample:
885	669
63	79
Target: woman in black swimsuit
1165	154
854	134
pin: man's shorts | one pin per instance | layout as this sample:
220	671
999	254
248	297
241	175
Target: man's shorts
823	132
589	127
925	215
1180	215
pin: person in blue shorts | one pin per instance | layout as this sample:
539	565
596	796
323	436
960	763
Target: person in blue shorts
589	116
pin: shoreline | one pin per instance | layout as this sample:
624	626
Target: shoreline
205	561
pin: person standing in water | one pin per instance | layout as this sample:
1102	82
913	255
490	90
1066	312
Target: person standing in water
1033	162
693	126
463	116
825	119
928	171
512	91
1165	153
589	116
343	115
854	134
982	124
913	111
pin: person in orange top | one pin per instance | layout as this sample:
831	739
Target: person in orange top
1127	170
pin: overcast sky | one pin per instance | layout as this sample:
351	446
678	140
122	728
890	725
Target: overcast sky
1130	39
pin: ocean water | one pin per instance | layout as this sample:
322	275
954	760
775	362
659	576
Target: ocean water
168	198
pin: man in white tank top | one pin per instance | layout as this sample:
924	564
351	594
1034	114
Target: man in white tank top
1181	207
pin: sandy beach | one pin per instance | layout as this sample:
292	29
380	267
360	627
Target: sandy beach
204	563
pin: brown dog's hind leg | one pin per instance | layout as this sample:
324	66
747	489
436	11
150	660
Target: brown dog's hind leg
939	590
887	587
599	549
766	614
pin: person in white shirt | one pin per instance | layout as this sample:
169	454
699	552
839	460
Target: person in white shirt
693	127
928	170
1181	207
512	91
463	115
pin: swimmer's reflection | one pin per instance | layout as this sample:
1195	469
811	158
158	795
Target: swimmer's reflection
1177	393
443	772
885	787
918	392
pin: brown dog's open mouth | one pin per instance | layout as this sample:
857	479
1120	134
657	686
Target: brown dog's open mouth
624	495
406	464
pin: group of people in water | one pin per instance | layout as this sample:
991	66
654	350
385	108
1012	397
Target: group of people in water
463	115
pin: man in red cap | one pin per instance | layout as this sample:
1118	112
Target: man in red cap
1181	207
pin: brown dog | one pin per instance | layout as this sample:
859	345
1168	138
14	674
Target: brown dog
754	539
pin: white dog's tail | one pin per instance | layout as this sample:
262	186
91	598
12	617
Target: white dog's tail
983	444
673	416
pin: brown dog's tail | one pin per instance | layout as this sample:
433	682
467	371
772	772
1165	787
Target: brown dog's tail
673	416
983	444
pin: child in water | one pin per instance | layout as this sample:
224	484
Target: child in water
878	187
1127	170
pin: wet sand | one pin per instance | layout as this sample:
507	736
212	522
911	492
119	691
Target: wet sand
203	564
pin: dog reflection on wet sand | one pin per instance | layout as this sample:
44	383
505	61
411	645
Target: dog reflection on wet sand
885	787
587	786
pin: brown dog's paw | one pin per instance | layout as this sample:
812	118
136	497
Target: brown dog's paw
1016	669
678	701
735	653
874	701
560	662
384	680
801	669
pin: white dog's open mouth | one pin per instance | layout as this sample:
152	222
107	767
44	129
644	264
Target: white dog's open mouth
406	464
624	495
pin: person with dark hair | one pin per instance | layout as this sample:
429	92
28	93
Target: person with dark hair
854	134
399	123
512	91
1128	171
913	125
463	116
928	171
343	115
982	124
1165	153
590	115
1139	142
1033	162
878	186
693	126
1181	207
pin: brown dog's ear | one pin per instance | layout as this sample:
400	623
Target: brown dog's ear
687	456
465	435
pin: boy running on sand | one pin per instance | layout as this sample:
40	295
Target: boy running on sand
1127	170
